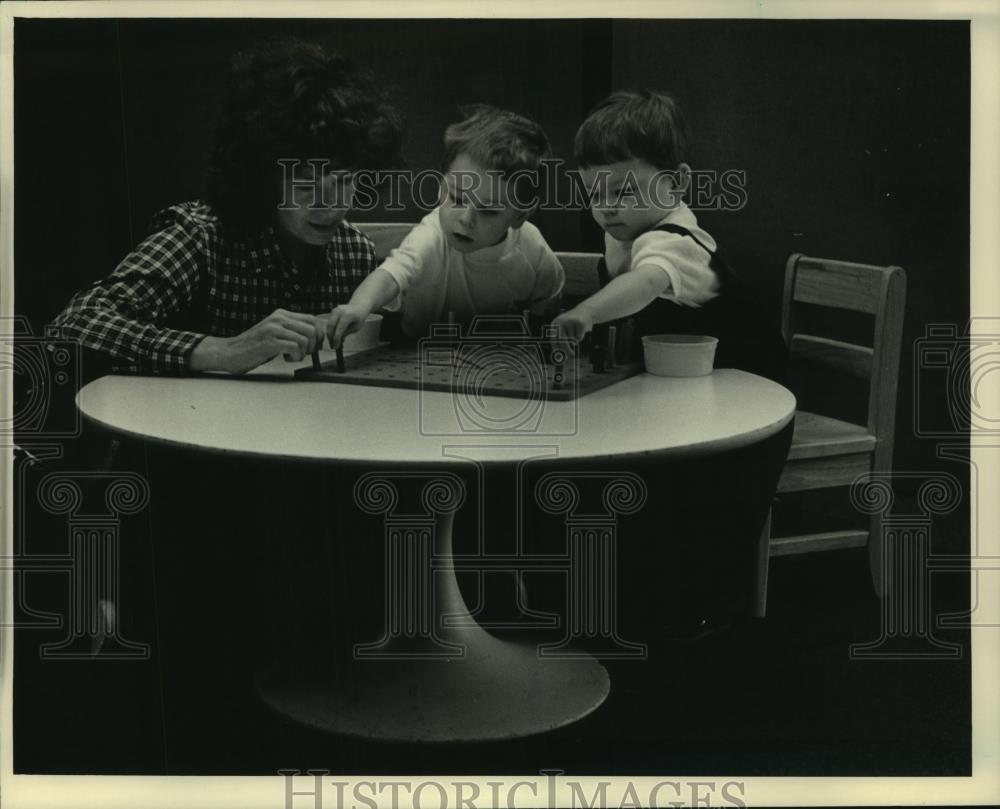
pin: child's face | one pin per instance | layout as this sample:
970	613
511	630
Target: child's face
476	211
316	204
632	196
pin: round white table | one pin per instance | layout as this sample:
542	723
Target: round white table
268	413
463	683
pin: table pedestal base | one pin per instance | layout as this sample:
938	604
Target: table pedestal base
499	690
428	679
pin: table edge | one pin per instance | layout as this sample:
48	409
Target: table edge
688	450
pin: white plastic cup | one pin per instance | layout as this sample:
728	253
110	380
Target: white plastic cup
679	354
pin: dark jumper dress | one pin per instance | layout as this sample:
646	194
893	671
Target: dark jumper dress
696	577
747	339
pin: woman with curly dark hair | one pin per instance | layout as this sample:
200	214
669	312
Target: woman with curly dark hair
232	281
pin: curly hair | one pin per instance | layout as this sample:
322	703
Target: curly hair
500	141
643	124
293	100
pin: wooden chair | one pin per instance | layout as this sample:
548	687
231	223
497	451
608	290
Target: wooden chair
581	274
828	452
386	235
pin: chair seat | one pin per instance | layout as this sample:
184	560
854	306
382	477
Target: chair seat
818	436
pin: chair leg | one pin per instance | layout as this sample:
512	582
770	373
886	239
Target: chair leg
875	563
763	560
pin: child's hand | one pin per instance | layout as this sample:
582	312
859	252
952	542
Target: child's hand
345	319
574	324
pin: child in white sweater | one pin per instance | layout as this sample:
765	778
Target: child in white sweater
476	253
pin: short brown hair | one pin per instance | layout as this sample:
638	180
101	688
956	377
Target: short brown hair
633	124
502	141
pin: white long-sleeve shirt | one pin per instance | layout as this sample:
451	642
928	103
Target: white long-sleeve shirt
520	273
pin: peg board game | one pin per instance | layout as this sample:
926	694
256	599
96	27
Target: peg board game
481	369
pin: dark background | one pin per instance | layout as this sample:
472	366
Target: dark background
854	137
855	144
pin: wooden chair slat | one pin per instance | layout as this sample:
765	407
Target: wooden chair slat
823	473
581	273
819	436
832	355
838	285
831	540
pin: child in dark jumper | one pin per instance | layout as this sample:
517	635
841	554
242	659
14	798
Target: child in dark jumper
659	265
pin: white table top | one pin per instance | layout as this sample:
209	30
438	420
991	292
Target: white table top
268	413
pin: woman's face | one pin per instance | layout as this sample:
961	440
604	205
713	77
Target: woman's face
315	200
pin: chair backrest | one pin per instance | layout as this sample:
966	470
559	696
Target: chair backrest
872	290
581	274
387	236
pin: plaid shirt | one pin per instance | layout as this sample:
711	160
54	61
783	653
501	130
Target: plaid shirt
189	279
